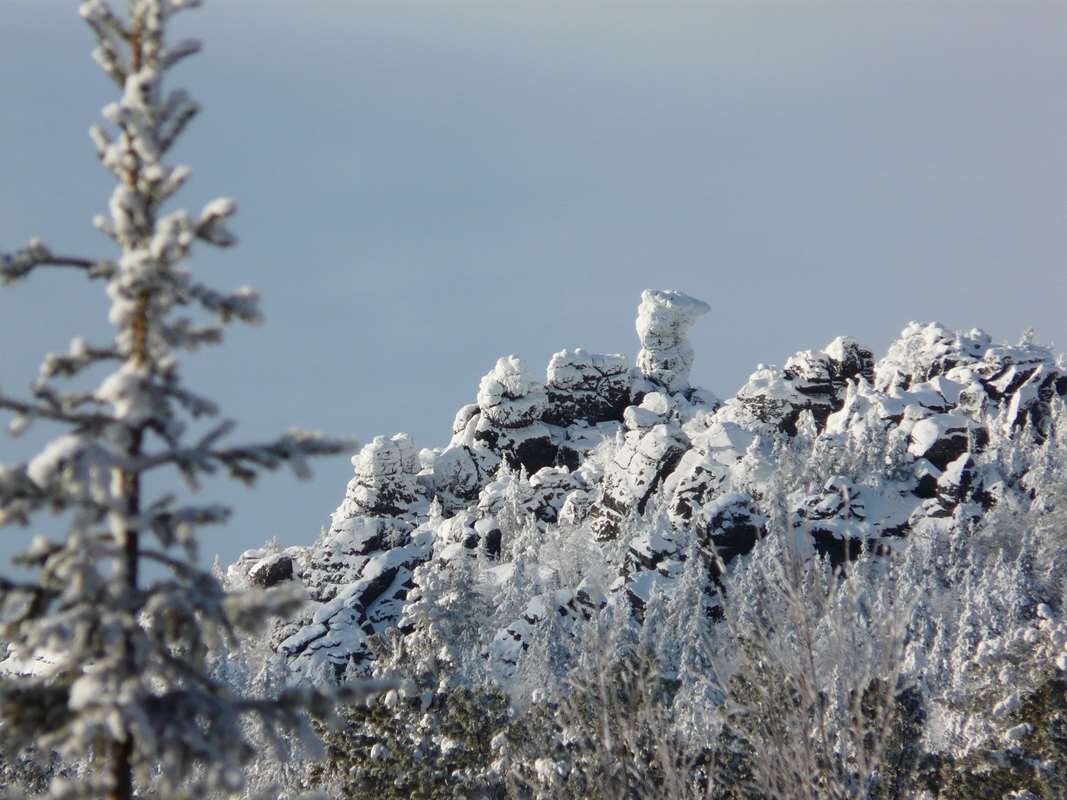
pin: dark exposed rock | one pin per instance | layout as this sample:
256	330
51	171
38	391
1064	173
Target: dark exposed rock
551	486
586	387
846	518
733	528
509	424
940	439
272	570
925	351
810	381
957	481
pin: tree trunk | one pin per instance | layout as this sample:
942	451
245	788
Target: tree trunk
122	771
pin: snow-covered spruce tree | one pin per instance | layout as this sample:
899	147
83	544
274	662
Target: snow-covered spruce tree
120	686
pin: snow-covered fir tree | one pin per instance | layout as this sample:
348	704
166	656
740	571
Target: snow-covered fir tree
111	640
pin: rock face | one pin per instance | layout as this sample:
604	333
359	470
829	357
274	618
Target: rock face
358	572
651	447
272	570
648	472
386	481
586	387
812	381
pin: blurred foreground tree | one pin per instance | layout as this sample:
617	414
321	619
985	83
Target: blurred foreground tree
111	660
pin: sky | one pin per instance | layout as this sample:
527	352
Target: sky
425	186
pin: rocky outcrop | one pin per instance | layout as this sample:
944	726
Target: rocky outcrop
923	352
732	526
566	605
272	570
586	388
386	481
812	381
648	472
504	426
359	570
511	403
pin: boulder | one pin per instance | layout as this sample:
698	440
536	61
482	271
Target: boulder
272	570
586	388
511	403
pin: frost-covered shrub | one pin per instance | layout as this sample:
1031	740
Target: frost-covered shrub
611	734
412	743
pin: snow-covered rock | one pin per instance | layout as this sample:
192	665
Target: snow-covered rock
651	448
649	472
386	480
663	322
586	387
813	381
511	403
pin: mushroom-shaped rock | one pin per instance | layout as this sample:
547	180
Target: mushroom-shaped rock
663	321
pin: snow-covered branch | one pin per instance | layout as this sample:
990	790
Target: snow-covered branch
243	462
94	421
21	263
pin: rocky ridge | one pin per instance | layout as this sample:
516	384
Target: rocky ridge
654	470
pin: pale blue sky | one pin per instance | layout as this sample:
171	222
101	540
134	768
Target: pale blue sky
426	186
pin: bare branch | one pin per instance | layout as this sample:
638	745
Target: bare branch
184	49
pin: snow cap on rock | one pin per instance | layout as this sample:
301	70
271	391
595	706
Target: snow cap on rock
385	481
509	396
